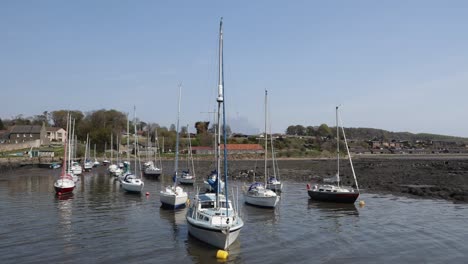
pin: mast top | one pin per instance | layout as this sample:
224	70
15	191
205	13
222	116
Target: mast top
220	97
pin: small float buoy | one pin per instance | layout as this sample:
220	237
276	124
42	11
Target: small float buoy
362	203
222	254
147	193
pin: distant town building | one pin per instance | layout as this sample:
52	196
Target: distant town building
25	133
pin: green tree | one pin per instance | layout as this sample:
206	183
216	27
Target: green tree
20	120
310	131
300	130
59	117
291	130
201	127
172	128
183	130
324	130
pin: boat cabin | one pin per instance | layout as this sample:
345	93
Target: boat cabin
330	188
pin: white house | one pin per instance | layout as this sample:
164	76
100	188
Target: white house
56	134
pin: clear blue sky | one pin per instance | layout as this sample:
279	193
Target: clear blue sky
395	65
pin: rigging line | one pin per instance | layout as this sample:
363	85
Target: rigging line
349	155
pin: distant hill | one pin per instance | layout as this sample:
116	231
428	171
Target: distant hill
373	133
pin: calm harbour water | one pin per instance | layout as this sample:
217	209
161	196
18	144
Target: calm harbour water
100	223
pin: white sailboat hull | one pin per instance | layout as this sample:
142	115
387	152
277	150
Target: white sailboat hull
64	185
153	172
277	187
171	199
212	235
187	180
77	170
262	201
134	185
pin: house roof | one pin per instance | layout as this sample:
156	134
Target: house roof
23	129
53	129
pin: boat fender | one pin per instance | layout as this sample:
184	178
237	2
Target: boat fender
222	254
188	202
308	186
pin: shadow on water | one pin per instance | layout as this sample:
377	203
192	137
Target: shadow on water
267	216
333	209
151	178
200	252
64	196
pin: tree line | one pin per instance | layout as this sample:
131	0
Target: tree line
102	124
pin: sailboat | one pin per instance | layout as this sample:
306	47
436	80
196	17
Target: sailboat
273	182
65	184
125	166
88	165
187	177
257	193
336	192
212	218
105	161
130	182
112	167
74	167
96	162
150	167
174	196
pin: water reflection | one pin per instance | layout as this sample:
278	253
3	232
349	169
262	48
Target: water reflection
266	216
333	209
175	217
200	252
64	206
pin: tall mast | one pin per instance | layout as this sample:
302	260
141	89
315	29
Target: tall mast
64	164
176	166
273	156
69	141
74	140
337	149
156	140
220	100
266	136
190	152
135	138
86	148
128	138
226	196
112	148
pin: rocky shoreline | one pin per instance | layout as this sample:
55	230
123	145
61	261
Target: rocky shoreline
444	177
437	176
